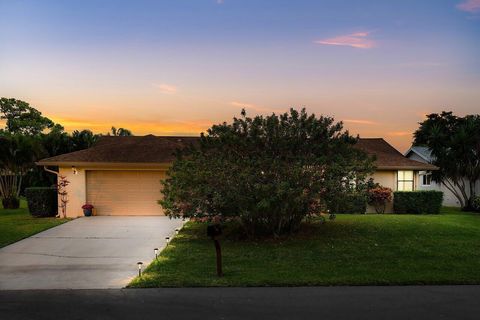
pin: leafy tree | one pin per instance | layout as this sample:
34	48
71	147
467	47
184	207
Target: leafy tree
267	172
455	146
21	118
121	132
24	120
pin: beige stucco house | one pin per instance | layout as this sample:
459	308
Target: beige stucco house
121	175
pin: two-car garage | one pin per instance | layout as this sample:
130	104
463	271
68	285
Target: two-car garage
124	192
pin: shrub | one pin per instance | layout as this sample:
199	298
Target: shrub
269	172
378	197
417	202
42	201
476	203
349	203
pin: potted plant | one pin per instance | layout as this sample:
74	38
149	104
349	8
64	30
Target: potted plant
87	209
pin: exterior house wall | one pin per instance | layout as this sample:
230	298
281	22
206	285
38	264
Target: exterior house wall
449	198
77	196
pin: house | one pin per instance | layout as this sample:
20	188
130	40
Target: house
121	175
423	154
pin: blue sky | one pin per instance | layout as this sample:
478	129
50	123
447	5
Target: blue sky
175	67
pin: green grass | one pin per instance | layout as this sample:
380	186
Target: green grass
18	224
352	250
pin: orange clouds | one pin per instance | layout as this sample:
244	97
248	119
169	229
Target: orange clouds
399	133
359	121
188	127
469	6
355	40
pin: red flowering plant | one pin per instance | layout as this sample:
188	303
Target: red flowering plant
87	206
378	197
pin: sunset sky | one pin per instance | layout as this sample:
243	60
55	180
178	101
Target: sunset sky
174	67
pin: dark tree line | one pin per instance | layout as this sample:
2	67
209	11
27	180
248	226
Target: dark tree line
29	136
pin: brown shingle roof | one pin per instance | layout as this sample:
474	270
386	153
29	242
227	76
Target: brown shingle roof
160	150
388	157
131	149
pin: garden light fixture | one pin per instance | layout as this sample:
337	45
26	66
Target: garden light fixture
139	264
177	231
156	253
167	240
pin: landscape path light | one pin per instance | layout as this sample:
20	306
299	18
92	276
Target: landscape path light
167	240
156	253
139	264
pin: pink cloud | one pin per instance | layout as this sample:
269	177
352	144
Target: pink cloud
469	6
355	40
166	88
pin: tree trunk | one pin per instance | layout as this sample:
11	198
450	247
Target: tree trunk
455	192
218	252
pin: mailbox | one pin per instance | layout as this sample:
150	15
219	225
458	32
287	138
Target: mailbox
214	230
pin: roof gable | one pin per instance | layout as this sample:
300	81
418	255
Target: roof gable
387	157
423	152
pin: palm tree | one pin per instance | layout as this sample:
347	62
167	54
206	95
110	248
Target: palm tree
120	132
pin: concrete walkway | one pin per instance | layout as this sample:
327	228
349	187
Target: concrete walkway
86	253
339	303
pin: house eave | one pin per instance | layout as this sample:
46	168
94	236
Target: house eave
417	168
109	165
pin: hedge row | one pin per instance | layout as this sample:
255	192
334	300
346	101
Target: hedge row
417	202
42	201
351	203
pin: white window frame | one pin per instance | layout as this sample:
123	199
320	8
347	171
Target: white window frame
423	175
403	180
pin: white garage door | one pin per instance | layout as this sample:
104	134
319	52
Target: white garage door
125	192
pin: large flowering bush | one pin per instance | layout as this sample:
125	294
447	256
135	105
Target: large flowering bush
378	197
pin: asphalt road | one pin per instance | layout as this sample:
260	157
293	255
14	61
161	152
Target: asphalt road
409	302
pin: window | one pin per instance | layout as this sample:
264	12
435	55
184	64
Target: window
426	178
405	180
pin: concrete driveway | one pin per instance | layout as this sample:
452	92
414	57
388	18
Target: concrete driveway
86	253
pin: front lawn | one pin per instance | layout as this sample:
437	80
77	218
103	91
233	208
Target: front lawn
18	224
352	250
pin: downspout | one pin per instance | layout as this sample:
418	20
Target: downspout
51	171
57	174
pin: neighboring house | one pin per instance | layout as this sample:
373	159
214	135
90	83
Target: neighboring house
121	175
423	154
